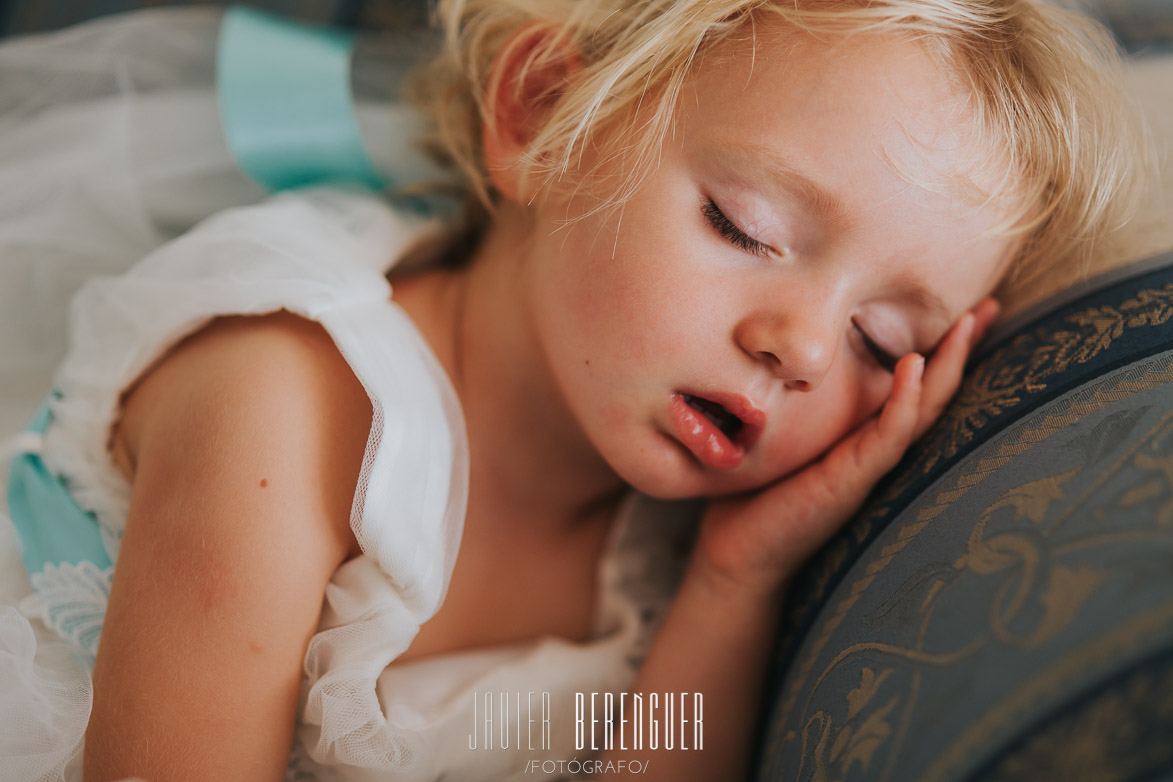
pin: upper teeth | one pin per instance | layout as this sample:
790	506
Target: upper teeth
724	420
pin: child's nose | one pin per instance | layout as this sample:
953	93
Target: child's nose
794	349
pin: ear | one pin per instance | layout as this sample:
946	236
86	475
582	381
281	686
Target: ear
529	75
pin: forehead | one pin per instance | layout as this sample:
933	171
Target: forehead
868	133
910	107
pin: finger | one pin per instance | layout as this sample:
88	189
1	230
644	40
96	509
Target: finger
810	505
984	314
900	413
860	459
880	444
850	471
945	371
943	374
826	493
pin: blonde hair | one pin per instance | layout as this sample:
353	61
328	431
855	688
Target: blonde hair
1045	85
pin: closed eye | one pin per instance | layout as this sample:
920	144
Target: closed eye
731	232
882	357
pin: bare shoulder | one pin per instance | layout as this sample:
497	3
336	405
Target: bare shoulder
244	446
270	395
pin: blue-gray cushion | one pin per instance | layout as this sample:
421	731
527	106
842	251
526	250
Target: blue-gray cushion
1003	607
1140	25
22	17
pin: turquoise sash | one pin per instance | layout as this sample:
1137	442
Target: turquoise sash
65	533
285	102
62	549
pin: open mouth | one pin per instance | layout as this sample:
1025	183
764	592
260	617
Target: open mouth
718	429
729	424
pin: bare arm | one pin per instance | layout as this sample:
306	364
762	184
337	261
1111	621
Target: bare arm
717	634
717	643
245	445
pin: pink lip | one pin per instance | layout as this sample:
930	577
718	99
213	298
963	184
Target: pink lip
705	440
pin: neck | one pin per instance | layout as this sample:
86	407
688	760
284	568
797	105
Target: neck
528	456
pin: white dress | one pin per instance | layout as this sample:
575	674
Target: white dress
322	254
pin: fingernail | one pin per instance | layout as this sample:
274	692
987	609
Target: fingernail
965	326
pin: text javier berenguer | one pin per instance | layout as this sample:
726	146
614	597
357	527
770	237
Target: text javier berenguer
606	721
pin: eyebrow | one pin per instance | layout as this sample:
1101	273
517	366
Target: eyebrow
781	176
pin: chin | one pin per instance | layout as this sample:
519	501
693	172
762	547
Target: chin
666	472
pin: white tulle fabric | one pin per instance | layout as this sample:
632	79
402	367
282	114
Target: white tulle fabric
322	254
111	144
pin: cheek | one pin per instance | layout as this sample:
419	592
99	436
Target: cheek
636	308
818	421
615	417
860	392
596	328
872	397
579	289
613	322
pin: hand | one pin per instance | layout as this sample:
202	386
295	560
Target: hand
753	544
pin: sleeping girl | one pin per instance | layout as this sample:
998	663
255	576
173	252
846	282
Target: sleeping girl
732	250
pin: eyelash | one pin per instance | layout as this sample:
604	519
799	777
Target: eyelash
741	240
882	357
731	232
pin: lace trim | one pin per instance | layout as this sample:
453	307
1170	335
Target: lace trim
72	602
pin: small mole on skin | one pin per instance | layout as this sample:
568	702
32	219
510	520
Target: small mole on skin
587	362
264	482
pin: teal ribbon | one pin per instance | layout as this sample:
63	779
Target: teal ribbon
285	102
52	527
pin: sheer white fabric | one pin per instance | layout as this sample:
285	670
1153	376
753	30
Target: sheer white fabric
322	254
110	144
